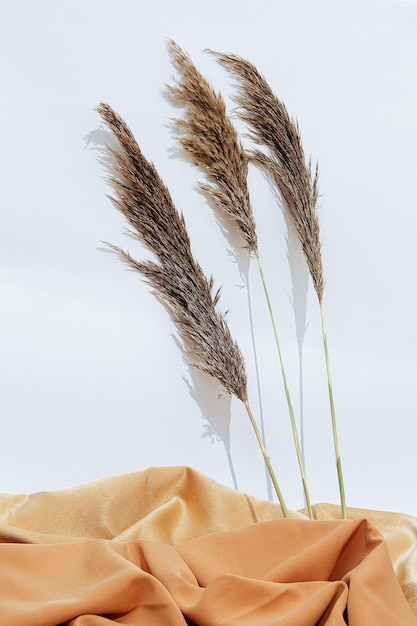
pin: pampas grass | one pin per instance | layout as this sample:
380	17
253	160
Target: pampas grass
271	126
211	141
284	162
176	278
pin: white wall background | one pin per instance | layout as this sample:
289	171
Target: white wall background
91	381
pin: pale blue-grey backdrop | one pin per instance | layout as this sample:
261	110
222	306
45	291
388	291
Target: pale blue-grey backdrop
92	383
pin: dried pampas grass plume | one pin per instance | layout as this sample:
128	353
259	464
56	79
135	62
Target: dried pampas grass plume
272	127
176	278
284	162
209	138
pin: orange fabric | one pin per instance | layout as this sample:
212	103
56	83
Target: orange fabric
170	545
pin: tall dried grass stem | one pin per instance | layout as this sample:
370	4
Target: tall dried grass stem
267	460
288	398
333	418
211	141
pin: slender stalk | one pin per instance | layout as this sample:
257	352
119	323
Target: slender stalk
209	138
333	416
287	394
266	459
258	381
301	394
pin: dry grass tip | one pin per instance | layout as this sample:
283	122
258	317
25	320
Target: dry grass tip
210	140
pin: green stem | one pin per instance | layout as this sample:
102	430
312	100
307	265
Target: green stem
333	415
287	395
267	461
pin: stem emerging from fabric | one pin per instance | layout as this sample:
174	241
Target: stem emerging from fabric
287	394
333	416
266	459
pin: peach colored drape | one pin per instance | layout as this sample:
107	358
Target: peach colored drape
171	546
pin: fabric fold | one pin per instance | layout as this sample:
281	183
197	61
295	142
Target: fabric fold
171	546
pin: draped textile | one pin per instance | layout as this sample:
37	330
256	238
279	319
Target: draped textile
171	546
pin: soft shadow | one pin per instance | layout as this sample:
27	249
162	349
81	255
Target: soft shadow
251	509
299	299
258	384
105	144
213	402
215	406
102	139
237	250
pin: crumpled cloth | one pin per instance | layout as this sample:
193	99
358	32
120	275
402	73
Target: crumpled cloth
169	546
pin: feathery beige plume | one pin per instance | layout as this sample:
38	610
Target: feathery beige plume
211	141
177	279
272	127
